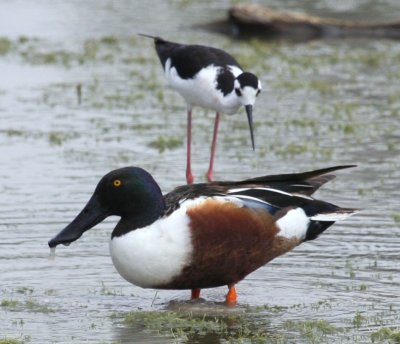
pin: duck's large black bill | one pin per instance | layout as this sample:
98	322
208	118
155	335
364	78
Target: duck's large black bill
90	216
249	111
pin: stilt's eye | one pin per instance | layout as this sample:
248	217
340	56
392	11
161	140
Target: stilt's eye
238	92
117	183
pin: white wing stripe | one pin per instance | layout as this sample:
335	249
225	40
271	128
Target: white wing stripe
266	189
271	190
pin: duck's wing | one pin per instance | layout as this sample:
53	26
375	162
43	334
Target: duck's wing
280	189
305	183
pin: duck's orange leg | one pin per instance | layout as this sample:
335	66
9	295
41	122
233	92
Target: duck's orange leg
231	297
195	293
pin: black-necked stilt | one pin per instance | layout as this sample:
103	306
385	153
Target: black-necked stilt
210	78
204	235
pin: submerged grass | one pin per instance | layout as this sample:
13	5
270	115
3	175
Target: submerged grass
358	319
189	327
314	331
37	307
163	143
5	45
29	305
385	334
24	290
396	218
249	325
109	291
11	341
9	303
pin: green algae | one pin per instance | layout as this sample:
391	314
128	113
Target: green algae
163	143
396	218
9	303
386	334
313	330
11	341
189	327
5	46
358	319
248	325
29	304
37	307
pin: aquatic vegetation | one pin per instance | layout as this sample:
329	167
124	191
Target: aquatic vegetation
5	46
9	303
358	319
47	58
50	292
23	39
37	307
396	218
28	304
302	148
90	51
109	40
313	330
122	100
163	143
11	341
104	49
386	334
189	326
245	325
56	138
24	290
321	86
109	291
13	132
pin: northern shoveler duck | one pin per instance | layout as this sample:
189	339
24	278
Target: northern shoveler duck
204	235
209	78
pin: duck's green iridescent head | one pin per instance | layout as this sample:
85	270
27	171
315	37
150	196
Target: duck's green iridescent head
128	192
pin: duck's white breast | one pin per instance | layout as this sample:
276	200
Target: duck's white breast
152	256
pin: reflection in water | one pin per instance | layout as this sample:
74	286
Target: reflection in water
324	103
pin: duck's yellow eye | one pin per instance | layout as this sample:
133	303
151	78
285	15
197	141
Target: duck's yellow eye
117	183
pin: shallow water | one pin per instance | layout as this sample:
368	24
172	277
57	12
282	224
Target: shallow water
323	103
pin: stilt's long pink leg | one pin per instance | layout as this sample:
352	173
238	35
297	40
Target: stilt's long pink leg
210	173
189	176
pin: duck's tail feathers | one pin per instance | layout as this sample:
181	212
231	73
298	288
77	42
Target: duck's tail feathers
339	215
306	182
322	221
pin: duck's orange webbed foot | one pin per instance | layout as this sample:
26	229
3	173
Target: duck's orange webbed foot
231	297
195	293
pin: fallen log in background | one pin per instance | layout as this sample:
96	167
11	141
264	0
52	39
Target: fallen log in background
254	19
